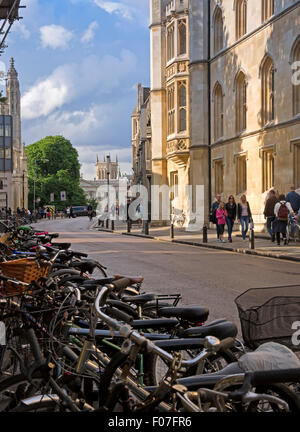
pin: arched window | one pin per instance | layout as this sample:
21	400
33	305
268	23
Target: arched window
268	87
296	85
218	31
218	111
182	106
171	109
182	37
267	9
241	102
170	42
241	18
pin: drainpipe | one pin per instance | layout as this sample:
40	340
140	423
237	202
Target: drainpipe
209	106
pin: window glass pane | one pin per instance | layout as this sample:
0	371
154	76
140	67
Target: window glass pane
7	130
1	153
1	130
182	120
8	153
182	96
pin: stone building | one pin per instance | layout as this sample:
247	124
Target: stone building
225	113
13	160
141	138
90	187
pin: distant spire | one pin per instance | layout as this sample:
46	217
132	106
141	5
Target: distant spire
103	158
97	160
116	158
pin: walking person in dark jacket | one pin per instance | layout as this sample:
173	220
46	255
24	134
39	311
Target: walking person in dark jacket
231	216
244	215
269	213
294	199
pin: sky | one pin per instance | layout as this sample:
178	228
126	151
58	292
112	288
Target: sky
79	64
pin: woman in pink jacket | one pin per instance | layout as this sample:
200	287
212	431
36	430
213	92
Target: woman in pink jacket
221	216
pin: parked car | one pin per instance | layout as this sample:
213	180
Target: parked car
81	211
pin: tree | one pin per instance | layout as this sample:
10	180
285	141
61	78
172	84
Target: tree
60	173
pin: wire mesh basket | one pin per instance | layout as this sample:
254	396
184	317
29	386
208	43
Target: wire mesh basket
24	270
268	314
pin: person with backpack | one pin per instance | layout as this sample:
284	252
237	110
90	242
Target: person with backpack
282	210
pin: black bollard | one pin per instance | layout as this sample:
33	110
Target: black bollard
112	225
146	228
252	239
172	230
107	222
128	225
204	234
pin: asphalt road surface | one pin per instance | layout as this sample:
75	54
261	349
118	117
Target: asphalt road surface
206	277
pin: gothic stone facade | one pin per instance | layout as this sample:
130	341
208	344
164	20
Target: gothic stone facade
14	177
222	96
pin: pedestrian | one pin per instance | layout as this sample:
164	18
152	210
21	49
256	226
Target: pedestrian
269	213
68	211
90	212
244	215
48	213
221	215
231	212
213	212
71	212
282	211
294	199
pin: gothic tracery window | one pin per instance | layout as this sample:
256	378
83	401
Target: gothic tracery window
267	9
218	111
182	45
170	42
268	88
241	102
182	106
241	18
171	109
218	31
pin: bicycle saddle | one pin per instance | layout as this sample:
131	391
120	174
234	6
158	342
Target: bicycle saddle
193	314
219	329
85	266
133	280
139	299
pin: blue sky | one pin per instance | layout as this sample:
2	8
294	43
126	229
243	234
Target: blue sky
79	63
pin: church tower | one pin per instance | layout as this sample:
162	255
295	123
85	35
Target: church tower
15	165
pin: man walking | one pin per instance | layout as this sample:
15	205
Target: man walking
294	199
269	213
213	217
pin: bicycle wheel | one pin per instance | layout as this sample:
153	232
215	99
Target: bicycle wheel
281	391
296	233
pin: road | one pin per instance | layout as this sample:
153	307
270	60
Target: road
211	278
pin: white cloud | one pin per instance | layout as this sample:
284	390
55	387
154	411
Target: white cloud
21	30
89	34
117	8
71	81
55	36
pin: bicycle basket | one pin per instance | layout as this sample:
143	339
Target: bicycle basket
267	314
24	270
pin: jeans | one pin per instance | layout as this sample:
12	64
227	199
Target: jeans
270	225
218	230
230	223
245	225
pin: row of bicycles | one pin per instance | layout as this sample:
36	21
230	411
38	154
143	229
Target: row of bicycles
74	338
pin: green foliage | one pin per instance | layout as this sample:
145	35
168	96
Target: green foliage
93	203
60	173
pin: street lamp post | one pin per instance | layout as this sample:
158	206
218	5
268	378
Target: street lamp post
24	189
34	179
108	175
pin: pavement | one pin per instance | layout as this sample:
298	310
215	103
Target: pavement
209	277
262	246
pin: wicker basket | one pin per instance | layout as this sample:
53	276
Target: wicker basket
25	270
